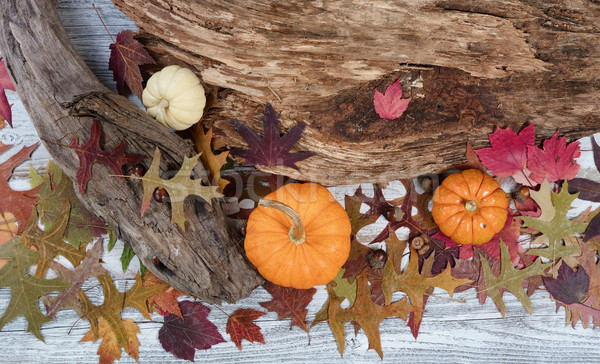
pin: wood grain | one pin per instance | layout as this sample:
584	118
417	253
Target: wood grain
62	97
468	66
450	331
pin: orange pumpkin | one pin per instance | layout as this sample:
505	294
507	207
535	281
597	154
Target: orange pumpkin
298	236
470	207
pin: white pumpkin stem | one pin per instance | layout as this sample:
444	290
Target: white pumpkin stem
163	104
297	232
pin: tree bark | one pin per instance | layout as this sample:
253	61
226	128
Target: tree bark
469	66
62	97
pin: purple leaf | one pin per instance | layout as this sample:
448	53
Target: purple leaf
596	150
270	149
569	286
182	337
588	190
593	229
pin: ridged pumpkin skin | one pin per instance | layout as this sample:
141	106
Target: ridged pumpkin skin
326	247
184	95
460	192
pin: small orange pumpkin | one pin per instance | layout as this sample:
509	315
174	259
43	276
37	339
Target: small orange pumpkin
470	207
298	236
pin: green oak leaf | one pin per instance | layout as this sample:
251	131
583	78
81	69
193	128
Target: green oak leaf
343	288
25	289
509	279
557	228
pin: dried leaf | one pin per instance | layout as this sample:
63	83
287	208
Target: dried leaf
557	161
165	301
569	286
91	153
212	162
25	289
366	313
593	229
5	84
126	55
69	299
588	190
270	149
178	187
543	198
509	279
390	105
240	326
18	203
110	347
182	337
581	312
508	154
289	303
357	220
342	287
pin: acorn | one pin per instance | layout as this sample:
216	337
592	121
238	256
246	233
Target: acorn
160	194
376	259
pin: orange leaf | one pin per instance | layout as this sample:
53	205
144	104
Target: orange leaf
165	301
110	347
240	326
212	162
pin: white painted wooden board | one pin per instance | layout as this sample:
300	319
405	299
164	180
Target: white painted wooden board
451	331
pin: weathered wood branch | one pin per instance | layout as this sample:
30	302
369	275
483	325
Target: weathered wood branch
469	66
62	97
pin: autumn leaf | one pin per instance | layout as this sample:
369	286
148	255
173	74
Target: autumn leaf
114	303
402	217
110	347
212	162
557	161
588	190
178	187
390	105
5	84
240	326
366	313
569	286
352	206
25	289
18	203
126	55
509	279
270	149
508	154
415	285
55	193
164	301
582	312
69	299
557	228
342	287
91	153
593	229
289	303
182	337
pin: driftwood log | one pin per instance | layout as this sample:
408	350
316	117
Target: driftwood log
469	66
62	97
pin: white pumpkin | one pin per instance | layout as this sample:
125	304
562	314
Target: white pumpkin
175	97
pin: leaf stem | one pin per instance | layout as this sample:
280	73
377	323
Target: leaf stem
99	17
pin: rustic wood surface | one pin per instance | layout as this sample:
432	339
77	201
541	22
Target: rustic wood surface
467	65
450	331
62	97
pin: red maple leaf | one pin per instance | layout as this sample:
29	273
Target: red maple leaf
126	55
5	84
90	153
240	326
289	303
555	162
508	154
390	105
182	337
19	203
270	149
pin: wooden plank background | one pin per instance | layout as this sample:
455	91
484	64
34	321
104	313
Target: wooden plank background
451	331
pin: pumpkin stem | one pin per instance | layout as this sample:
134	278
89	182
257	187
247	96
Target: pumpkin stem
164	103
471	206
297	233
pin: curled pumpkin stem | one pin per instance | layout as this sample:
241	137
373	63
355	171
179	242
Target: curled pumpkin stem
297	232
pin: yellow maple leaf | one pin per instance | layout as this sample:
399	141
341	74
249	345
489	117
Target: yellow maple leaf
110	347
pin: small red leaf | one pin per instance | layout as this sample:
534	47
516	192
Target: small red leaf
555	162
182	337
90	153
508	154
126	55
390	105
5	84
240	326
289	303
